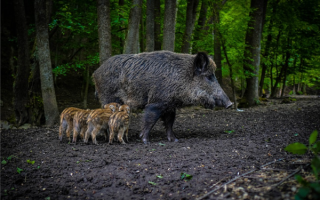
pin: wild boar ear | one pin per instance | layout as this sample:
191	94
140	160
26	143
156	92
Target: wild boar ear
200	63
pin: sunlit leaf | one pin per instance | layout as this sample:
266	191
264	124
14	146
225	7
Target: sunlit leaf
296	148
152	183
313	137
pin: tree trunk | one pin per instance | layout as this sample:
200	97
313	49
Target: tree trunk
242	87
231	74
21	96
201	22
49	5
169	25
47	87
217	40
150	22
142	31
121	3
294	85
191	15
157	25
286	65
104	30
278	79
252	50
36	112
85	96
132	44
268	44
217	46
264	66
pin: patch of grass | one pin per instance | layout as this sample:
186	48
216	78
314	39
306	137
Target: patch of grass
229	132
152	183
19	170
31	162
185	176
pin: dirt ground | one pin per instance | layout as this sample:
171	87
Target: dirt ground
214	147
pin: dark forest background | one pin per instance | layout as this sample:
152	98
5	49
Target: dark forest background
261	47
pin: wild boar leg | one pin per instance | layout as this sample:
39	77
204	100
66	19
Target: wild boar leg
83	131
120	135
88	133
94	134
152	113
75	133
168	119
69	129
62	128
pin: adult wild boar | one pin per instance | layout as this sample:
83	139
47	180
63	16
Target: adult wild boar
159	82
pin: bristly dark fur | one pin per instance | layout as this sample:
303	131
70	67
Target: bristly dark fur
159	81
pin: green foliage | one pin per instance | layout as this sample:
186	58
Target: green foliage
19	170
185	176
159	176
229	132
297	148
79	65
311	189
31	162
152	183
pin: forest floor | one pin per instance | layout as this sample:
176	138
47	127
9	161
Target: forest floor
214	147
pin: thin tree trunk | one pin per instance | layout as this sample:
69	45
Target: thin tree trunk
169	25
231	74
268	44
278	79
242	87
294	85
217	40
142	31
21	96
104	30
286	65
201	22
271	79
217	48
191	15
132	44
47	87
121	3
150	21
264	66
252	50
85	96
157	25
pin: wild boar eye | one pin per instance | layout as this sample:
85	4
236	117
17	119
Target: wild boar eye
211	78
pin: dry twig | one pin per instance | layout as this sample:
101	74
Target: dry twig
237	177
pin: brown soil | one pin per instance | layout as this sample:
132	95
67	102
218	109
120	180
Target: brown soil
214	147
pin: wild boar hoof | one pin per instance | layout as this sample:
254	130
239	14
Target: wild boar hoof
145	141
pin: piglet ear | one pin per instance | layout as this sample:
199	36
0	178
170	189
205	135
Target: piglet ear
112	108
200	63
